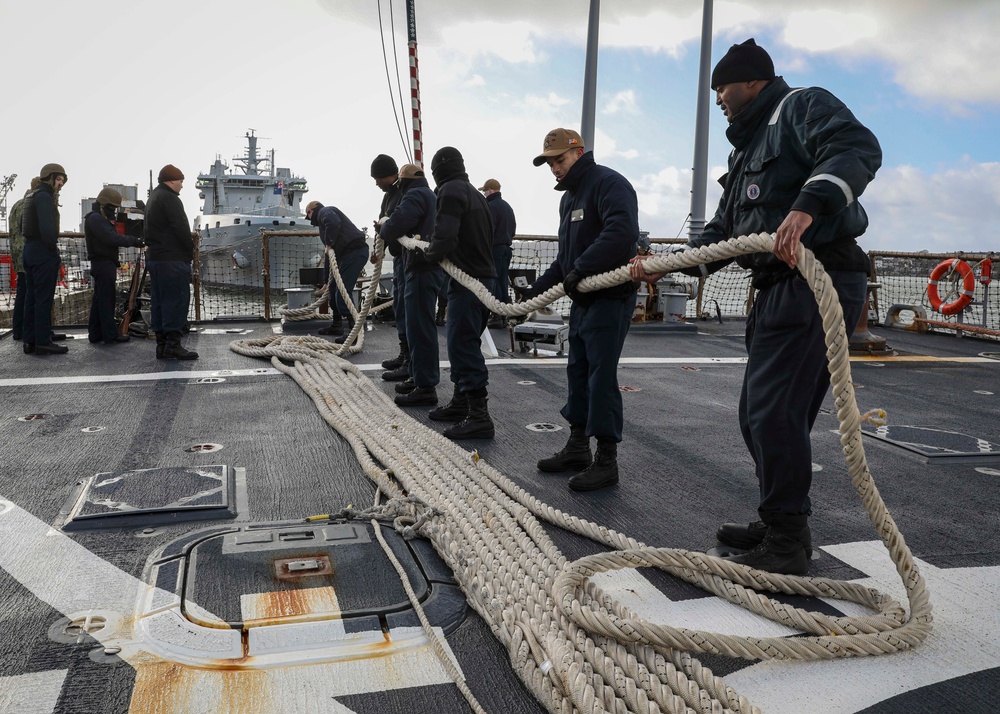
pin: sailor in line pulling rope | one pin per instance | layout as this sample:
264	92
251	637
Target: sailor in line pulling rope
800	160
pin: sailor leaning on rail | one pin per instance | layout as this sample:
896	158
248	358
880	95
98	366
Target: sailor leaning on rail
800	160
598	232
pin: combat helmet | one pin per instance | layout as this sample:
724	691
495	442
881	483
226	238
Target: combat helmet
109	197
50	169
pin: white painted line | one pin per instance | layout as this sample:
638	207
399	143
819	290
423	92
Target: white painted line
144	377
35	693
966	639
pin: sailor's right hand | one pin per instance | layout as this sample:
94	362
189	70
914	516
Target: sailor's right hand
637	270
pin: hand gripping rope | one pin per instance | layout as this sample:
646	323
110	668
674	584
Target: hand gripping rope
576	648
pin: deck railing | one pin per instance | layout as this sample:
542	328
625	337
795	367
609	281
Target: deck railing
241	281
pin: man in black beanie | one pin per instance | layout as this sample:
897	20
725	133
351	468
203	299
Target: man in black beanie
800	160
463	233
386	175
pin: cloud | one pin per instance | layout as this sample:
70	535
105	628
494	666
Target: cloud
957	208
624	101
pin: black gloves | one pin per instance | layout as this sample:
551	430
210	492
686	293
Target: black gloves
570	283
426	255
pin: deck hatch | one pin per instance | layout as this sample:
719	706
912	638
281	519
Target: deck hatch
143	497
936	446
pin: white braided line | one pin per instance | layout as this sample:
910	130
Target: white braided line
575	647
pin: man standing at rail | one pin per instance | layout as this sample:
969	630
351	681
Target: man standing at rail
169	255
800	160
598	232
504	227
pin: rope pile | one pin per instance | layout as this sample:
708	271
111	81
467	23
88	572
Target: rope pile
576	648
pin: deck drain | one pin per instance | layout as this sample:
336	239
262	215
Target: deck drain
204	448
526	383
78	629
33	417
543	426
92	429
207	380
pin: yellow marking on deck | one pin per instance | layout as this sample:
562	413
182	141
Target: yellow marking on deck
920	358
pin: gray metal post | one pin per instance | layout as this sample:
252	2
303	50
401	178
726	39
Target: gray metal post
699	176
590	77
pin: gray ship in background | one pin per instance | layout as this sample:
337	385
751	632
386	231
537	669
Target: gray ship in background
239	204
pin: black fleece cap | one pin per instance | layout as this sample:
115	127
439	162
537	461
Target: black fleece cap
383	166
743	63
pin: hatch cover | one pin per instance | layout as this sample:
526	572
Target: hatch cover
292	591
936	446
144	497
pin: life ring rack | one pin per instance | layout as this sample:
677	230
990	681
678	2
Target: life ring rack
946	267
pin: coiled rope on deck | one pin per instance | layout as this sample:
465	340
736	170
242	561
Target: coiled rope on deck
576	648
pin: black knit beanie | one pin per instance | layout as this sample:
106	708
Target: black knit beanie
743	63
384	166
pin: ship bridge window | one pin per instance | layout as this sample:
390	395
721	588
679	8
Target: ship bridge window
217	224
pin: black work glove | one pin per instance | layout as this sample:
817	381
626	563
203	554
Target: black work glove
427	255
570	283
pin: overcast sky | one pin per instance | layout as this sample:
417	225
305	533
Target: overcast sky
115	90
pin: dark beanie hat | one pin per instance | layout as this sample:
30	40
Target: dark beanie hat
743	63
170	173
384	166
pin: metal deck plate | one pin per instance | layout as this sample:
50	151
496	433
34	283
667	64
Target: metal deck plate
937	446
143	497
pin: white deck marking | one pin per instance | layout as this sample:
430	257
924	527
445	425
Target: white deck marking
966	639
73	580
35	693
143	377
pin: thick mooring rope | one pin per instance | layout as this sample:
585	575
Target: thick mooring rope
576	648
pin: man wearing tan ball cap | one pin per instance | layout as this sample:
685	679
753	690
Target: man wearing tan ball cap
504	226
598	232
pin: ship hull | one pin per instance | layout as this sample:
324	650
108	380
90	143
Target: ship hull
234	256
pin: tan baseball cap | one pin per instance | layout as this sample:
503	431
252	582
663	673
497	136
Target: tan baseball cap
558	141
491	184
409	171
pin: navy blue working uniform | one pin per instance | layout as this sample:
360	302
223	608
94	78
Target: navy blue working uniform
103	242
793	149
463	232
40	225
338	232
598	232
504	227
169	256
414	215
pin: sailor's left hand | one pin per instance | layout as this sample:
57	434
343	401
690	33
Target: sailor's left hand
789	235
570	284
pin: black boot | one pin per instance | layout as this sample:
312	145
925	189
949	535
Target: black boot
406	386
347	331
418	397
400	373
454	411
161	344
575	456
50	349
477	423
336	327
403	356
603	472
748	535
173	349
783	549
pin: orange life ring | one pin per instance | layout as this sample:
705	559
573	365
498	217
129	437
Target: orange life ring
968	286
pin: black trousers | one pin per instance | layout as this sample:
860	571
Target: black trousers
101	327
422	288
41	272
399	294
467	318
170	294
596	336
785	383
19	297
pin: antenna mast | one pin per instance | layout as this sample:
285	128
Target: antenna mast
411	26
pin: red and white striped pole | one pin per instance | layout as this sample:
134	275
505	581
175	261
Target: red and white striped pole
411	23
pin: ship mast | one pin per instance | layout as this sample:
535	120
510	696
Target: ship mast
699	174
411	25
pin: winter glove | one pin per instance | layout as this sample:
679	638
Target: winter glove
570	283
